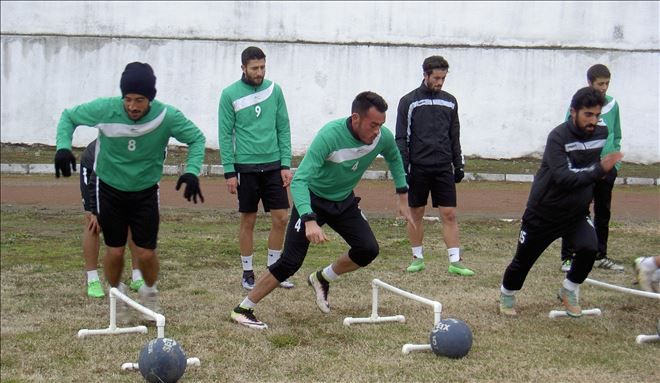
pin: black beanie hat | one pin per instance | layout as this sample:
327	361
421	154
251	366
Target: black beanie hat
138	78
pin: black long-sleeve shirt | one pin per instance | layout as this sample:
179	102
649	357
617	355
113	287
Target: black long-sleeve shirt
428	129
563	186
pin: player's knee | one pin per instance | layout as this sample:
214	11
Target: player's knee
587	250
365	253
285	267
280	221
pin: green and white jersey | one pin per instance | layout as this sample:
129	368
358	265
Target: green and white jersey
129	154
609	116
336	161
253	125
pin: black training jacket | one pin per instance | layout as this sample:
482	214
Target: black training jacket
563	186
428	130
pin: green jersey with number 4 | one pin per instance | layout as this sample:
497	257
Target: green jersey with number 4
130	154
336	161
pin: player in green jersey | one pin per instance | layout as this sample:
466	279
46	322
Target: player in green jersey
255	142
133	132
322	190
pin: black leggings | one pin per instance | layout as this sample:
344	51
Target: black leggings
344	217
536	236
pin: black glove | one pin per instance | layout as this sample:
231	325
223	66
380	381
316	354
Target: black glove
192	187
64	161
458	175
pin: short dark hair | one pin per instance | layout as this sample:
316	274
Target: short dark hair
252	53
596	71
366	100
434	62
587	97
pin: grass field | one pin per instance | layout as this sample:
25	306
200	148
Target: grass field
44	305
37	154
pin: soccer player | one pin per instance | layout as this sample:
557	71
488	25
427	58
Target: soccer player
255	143
598	77
91	240
428	137
558	204
646	270
322	191
133	132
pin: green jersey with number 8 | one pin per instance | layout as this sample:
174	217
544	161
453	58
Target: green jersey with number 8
129	154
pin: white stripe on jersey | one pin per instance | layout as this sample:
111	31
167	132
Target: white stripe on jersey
253	99
341	155
577	145
125	130
426	101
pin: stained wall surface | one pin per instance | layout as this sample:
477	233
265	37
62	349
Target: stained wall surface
513	65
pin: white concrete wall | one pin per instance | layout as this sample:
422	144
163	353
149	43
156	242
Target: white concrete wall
513	66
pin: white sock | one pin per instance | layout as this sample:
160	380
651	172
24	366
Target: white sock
417	252
570	286
329	274
137	275
506	291
273	256
454	254
92	275
648	264
247	262
144	289
247	304
656	276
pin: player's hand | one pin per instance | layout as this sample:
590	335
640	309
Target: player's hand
232	185
608	162
286	177
404	210
92	223
64	161
314	233
458	175
192	187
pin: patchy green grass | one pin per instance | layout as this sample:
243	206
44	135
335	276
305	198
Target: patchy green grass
44	305
38	154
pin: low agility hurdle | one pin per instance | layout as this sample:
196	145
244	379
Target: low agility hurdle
621	289
561	313
640	338
113	329
375	318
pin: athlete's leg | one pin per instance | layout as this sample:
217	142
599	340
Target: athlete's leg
246	233
416	234
113	264
91	244
449	226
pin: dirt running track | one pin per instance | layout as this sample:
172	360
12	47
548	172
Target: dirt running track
475	199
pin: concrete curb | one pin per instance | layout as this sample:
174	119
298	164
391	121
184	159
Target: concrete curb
217	170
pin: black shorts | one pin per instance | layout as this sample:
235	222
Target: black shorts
118	210
85	175
439	181
344	217
264	186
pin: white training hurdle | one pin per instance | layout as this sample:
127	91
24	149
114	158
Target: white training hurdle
640	338
190	362
375	318
113	329
621	289
562	313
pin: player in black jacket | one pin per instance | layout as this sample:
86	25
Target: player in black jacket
428	137
558	204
